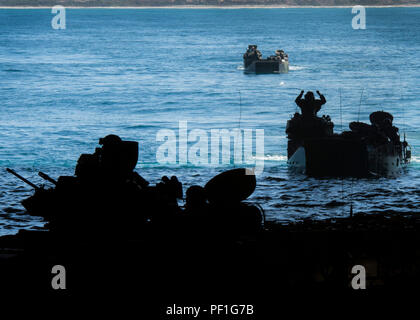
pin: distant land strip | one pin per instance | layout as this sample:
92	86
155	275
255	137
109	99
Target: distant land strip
202	3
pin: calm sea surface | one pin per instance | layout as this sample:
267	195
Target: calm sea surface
134	72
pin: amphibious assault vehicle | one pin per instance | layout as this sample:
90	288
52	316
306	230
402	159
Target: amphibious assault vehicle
106	196
255	63
367	149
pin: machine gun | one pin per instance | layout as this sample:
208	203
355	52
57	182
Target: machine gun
22	178
42	203
47	177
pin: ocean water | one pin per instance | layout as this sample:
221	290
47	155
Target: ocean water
135	72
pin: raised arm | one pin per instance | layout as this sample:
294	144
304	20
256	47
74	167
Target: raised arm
323	100
299	98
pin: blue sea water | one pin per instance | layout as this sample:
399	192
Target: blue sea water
134	72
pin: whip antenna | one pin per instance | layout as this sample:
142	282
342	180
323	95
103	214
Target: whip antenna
342	177
341	115
240	110
360	104
403	108
239	135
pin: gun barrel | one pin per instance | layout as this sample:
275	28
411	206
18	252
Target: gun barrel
47	177
22	178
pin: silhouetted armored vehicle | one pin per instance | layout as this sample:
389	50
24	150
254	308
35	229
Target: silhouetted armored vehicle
255	63
219	205
104	193
105	196
367	149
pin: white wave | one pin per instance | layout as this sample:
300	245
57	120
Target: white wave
240	68
294	68
415	159
282	83
269	157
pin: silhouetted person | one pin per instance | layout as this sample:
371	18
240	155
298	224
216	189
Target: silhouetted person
197	211
309	105
196	199
382	121
390	131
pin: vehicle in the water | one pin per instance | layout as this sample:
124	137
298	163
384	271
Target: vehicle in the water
106	195
104	184
255	63
367	149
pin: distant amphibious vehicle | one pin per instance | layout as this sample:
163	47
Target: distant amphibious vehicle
254	63
367	149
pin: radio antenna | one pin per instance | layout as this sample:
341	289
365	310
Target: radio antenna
360	104
239	136
240	110
403	109
341	115
342	177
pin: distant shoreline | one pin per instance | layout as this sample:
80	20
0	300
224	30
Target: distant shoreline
214	7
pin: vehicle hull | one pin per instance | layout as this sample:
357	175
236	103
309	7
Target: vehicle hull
268	66
338	157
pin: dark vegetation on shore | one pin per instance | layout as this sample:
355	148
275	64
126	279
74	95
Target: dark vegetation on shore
221	3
